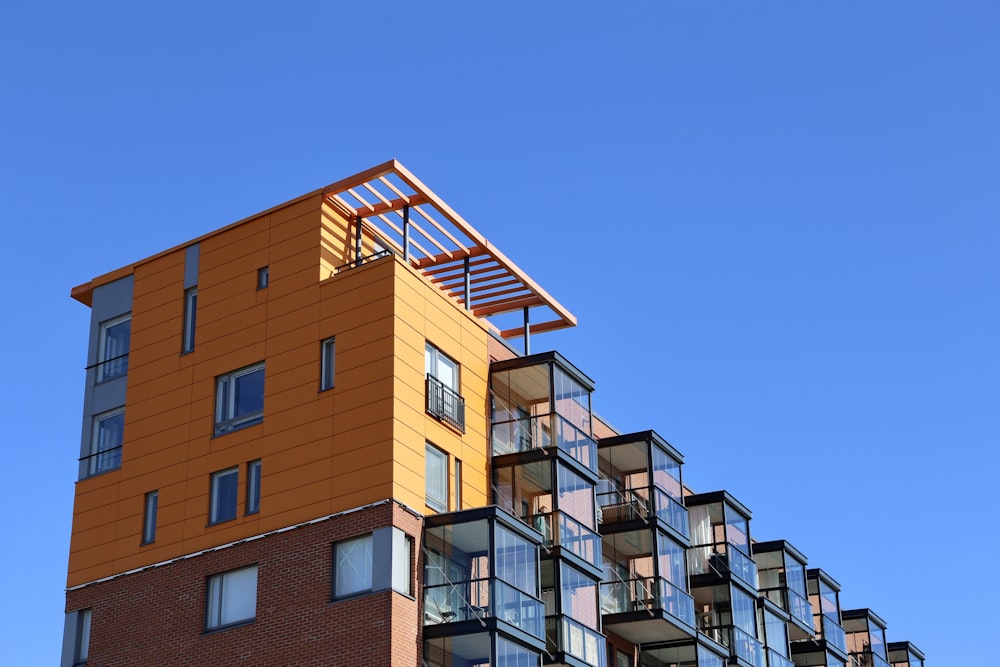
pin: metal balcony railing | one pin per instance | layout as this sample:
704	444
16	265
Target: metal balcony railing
102	461
445	403
640	503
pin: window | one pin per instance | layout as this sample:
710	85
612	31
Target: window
149	517
112	348
190	315
253	487
443	398
222	504
263	275
437	479
106	442
441	367
327	349
232	598
239	399
352	567
81	640
458	484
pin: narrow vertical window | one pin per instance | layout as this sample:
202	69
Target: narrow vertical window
222	504
81	645
327	350
149	517
239	399
190	314
263	276
253	487
458	484
112	351
436	477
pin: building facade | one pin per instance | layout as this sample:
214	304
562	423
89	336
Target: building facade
308	439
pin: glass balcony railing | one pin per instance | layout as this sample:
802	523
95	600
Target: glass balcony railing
477	599
670	511
742	565
747	647
566	635
868	659
561	530
792	602
775	659
647	593
551	430
834	634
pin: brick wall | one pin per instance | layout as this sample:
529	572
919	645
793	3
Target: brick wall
157	616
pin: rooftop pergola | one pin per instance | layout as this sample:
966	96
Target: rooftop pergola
390	206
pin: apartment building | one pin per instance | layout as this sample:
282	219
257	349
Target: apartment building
319	436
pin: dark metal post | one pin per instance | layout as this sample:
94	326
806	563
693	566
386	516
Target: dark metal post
527	333
468	286
406	233
357	242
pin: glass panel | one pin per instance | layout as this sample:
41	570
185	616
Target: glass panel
833	633
224	485
576	496
510	654
249	393
671	559
149	517
671	512
106	451
239	595
328	356
566	635
253	487
574	536
114	346
516	561
578	596
353	566
572	401
436	471
667	473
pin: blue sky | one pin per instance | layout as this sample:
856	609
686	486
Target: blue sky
777	223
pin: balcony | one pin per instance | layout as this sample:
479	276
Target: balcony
102	461
482	599
747	648
543	432
640	504
647	609
781	575
834	634
722	559
568	638
445	404
868	659
559	529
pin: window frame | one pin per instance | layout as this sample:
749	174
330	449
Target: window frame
458	483
215	602
150	507
190	319
432	358
263	277
119	361
327	363
366	542
440	503
252	505
94	454
214	495
226	418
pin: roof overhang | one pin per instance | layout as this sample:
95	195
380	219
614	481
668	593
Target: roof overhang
441	245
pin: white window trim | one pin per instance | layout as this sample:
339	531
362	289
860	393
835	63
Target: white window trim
225	402
216	598
95	455
436	503
432	357
118	361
